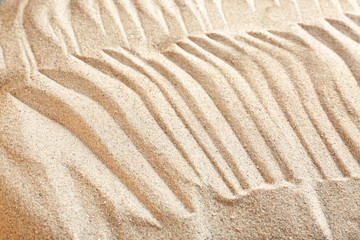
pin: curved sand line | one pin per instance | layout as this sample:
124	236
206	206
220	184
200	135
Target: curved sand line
185	119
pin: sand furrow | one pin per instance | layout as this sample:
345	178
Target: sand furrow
319	117
192	20
151	100
216	86
112	23
184	113
154	158
172	125
143	19
315	204
41	170
323	161
199	6
206	111
308	105
355	18
62	20
104	207
282	99
180	119
90	10
344	49
253	108
346	28
249	70
210	137
91	21
130	20
216	15
36	167
321	152
328	95
104	145
152	19
173	19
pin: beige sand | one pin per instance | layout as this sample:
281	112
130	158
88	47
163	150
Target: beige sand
180	119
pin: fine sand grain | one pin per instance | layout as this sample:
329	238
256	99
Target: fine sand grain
180	119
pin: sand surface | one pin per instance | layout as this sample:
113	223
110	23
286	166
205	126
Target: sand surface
180	119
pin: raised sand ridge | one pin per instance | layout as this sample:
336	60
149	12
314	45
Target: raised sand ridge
181	119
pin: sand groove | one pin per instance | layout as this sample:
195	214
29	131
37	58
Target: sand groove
97	146
248	110
183	112
163	115
319	113
151	157
308	138
335	98
206	112
276	117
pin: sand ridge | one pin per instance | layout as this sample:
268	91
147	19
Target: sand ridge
178	119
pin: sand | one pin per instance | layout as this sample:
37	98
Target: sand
180	119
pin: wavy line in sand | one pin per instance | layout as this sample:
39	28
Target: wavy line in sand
210	120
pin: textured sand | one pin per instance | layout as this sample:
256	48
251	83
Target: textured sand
180	119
